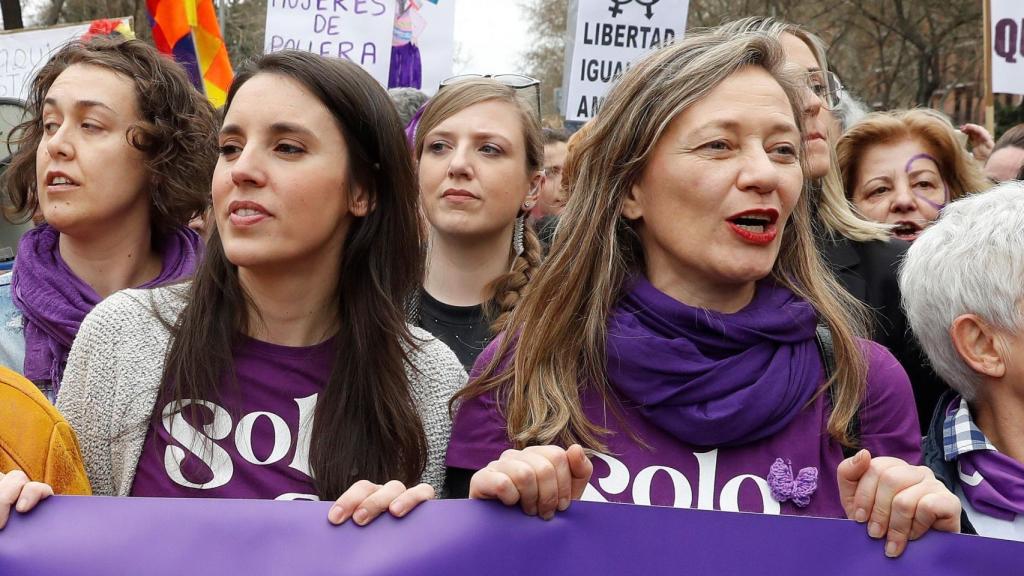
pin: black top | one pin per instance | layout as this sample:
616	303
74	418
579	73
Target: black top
869	271
933	456
463	328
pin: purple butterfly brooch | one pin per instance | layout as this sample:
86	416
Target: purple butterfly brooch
787	488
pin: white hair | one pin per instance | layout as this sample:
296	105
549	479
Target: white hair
971	261
850	110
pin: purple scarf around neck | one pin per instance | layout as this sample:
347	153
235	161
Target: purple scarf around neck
54	301
713	379
993	483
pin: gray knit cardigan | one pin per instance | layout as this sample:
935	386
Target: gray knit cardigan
115	368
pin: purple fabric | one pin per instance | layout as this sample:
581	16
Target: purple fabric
406	68
410	129
54	301
785	487
253	441
672	472
90	536
714	379
993	483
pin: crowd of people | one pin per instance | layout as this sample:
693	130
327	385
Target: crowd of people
733	289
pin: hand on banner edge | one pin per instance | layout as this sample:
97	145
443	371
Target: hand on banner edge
364	501
18	491
541	479
896	500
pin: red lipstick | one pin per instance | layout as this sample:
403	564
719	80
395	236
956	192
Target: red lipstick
755	226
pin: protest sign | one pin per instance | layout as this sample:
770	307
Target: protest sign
423	44
23	53
607	36
164	536
357	30
1007	46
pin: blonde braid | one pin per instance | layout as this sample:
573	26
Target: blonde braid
509	288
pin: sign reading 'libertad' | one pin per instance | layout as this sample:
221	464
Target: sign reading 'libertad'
609	35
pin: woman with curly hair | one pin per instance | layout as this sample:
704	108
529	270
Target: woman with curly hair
115	157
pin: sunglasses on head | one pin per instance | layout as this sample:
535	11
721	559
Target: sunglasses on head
525	85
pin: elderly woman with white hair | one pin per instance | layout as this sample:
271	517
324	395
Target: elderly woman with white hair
963	290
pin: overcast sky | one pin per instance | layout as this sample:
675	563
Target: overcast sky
479	24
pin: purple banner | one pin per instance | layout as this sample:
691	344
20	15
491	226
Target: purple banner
153	536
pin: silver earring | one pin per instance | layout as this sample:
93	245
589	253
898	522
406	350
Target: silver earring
517	235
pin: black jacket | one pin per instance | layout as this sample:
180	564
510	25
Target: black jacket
870	272
934	458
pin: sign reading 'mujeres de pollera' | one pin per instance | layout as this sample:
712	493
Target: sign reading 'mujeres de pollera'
357	30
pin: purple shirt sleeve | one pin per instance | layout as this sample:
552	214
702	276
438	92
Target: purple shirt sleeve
888	415
479	432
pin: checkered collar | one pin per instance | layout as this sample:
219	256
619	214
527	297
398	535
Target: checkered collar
960	434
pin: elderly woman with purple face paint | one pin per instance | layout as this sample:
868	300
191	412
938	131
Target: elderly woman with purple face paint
902	167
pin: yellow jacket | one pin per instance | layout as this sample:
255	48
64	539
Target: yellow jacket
35	439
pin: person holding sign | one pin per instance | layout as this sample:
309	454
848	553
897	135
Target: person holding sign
684	329
481	159
286	369
115	158
974	337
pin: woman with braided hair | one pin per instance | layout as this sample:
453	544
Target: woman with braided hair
480	156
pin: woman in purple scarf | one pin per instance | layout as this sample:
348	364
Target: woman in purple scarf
115	158
963	288
672	331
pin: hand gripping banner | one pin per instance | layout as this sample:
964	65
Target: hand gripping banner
111	536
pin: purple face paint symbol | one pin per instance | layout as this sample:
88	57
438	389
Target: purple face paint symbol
945	192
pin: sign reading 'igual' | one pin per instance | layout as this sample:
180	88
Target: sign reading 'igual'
608	36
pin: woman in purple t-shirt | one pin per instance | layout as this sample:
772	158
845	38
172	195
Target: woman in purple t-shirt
286	369
672	330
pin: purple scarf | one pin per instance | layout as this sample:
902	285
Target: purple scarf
54	301
713	379
993	483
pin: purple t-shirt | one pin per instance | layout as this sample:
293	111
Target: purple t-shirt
673	473
260	434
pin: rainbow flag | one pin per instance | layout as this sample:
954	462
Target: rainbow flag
188	30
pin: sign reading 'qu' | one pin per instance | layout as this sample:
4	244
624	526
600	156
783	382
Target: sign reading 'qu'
616	7
1008	41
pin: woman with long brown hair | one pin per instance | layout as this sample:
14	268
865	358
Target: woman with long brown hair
286	369
685	331
480	162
